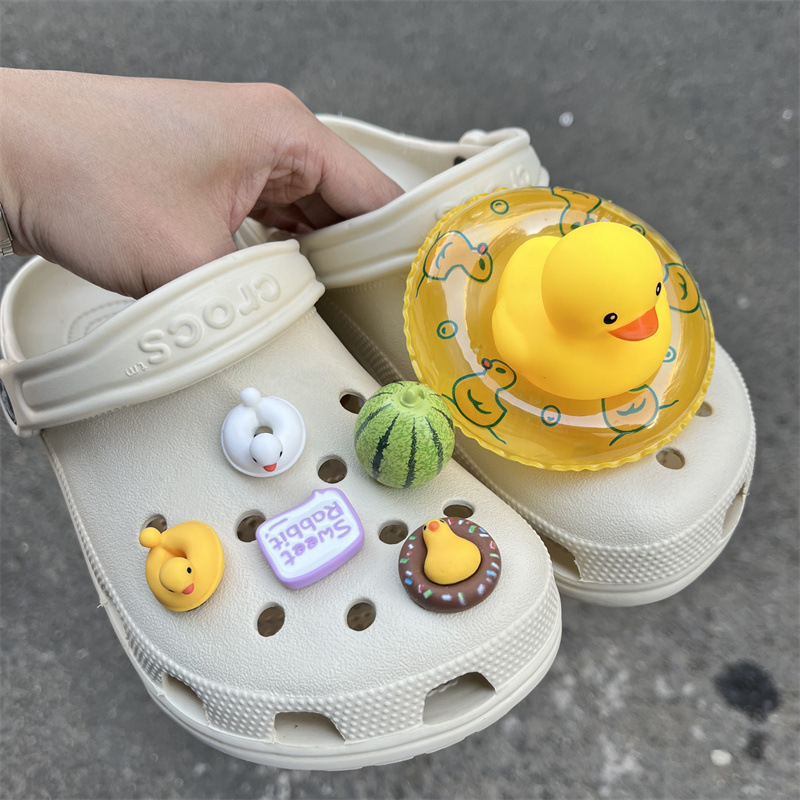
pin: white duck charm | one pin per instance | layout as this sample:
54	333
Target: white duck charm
263	454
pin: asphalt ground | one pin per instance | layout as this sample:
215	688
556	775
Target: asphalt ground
684	112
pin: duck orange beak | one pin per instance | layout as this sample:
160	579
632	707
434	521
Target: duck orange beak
271	467
641	328
189	589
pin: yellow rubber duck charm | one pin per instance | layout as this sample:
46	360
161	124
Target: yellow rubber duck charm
185	564
583	316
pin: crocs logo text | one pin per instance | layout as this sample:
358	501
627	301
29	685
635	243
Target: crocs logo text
187	329
518	178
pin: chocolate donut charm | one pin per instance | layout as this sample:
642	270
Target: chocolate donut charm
449	565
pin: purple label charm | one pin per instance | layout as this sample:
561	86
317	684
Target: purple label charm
311	540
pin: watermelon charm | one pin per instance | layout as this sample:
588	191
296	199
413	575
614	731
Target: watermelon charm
404	435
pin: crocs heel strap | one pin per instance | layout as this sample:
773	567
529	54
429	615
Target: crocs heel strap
178	335
386	240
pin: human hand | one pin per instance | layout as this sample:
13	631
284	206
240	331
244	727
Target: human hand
130	182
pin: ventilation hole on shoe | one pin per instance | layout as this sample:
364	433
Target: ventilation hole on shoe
393	532
305	730
456	698
263	429
361	616
459	510
157	521
246	529
734	512
332	470
271	620
352	402
563	561
183	698
670	458
705	410
458	160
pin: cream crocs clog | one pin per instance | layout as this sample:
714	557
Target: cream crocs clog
624	536
129	399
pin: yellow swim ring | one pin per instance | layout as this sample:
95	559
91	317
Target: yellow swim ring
559	340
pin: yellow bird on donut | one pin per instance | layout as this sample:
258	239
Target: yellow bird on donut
185	564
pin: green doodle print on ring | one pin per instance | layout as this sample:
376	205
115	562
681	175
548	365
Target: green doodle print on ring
499	207
636	416
453	251
447	329
476	401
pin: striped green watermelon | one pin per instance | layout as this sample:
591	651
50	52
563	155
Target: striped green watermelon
404	435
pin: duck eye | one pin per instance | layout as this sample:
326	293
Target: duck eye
188	569
658	289
255	459
610	319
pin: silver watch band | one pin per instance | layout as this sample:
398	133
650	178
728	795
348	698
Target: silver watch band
6	248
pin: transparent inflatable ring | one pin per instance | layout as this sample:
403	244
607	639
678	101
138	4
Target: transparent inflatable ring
558	340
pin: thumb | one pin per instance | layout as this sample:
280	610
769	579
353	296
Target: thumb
349	182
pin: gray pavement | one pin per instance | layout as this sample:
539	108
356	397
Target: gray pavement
685	113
